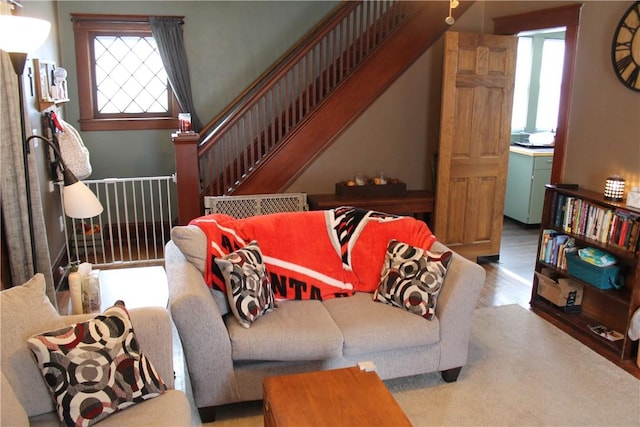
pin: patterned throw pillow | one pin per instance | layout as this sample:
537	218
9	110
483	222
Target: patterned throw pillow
95	368
247	282
411	278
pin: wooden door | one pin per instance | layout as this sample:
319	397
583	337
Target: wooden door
477	96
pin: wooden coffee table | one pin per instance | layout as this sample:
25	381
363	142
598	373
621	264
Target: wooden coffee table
348	397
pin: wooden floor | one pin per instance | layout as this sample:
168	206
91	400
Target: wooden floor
509	279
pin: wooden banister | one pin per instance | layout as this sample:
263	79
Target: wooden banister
187	175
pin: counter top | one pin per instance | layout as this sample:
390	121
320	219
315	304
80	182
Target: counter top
534	152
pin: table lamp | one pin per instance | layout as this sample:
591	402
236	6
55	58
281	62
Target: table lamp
614	188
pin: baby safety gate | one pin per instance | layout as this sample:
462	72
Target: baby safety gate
132	229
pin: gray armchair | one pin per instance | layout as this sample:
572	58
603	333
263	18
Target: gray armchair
25	399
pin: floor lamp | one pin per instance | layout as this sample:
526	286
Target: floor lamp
19	36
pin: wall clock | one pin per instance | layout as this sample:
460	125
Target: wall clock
625	52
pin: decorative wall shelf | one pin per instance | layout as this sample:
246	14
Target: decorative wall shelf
43	81
43	105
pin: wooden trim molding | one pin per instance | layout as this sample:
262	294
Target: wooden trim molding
110	19
90	124
564	16
548	18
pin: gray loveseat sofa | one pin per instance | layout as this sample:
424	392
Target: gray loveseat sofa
227	362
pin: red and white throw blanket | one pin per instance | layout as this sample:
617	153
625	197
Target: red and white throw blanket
223	237
313	255
364	236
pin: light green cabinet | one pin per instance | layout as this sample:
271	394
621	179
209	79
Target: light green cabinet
527	175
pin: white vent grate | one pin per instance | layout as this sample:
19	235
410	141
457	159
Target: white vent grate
258	204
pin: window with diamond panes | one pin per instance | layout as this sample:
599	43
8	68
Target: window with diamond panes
130	77
122	82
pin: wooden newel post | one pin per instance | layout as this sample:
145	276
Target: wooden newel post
188	176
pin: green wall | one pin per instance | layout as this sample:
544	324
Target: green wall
228	43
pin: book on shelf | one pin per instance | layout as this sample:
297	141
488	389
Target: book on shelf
554	248
558	209
625	230
617	227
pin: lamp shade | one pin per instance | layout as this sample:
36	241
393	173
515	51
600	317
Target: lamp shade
80	202
22	34
614	188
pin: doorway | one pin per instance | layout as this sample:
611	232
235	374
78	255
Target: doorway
519	243
569	18
536	101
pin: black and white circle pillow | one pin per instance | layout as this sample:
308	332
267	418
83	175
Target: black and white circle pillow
95	368
412	278
248	287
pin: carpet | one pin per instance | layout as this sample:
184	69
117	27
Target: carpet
522	371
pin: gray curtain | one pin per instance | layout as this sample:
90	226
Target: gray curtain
167	31
15	218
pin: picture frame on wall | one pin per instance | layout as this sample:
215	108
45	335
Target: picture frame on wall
44	71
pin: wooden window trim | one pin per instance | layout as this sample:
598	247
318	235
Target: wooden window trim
87	26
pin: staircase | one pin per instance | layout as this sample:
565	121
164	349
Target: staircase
266	138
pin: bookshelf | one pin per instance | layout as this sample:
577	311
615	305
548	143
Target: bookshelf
577	219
